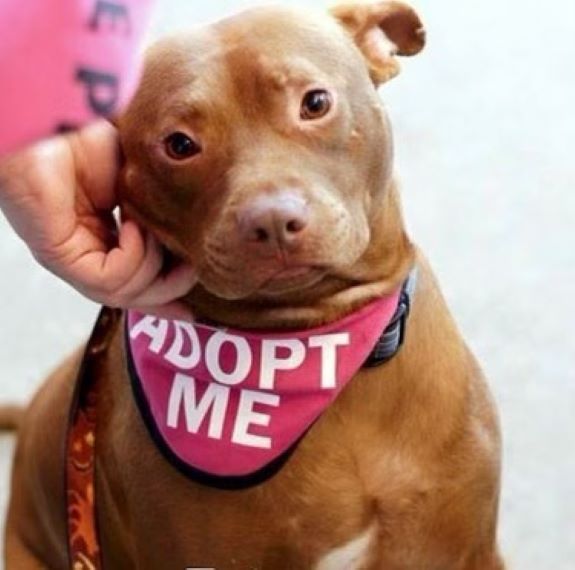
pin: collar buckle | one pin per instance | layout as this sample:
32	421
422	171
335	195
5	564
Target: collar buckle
393	335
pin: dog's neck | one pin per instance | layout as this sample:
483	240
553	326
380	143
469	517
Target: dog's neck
381	269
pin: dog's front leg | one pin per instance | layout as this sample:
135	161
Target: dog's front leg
485	560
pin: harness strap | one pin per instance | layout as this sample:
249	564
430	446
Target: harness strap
393	335
80	465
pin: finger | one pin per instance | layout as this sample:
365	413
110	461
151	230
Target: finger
166	288
102	274
97	162
146	273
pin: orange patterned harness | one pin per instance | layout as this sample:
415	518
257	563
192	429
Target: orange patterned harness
82	523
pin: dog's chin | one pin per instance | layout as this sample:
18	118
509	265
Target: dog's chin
282	283
291	280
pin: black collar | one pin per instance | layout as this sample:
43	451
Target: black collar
392	336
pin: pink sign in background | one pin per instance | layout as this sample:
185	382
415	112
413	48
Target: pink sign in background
64	63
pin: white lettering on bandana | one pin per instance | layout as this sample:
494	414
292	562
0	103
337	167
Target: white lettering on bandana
228	402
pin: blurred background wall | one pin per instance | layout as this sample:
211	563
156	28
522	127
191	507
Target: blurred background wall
485	139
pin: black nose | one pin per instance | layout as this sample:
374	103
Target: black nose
276	220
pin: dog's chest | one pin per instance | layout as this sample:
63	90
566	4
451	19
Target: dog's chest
325	509
347	495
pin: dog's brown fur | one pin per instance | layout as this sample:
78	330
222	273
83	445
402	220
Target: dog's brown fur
408	455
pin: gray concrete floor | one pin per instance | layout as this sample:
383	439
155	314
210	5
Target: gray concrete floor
485	135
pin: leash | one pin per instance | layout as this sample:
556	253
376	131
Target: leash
80	470
84	551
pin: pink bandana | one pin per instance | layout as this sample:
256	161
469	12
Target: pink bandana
228	403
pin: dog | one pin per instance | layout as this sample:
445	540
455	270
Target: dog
257	149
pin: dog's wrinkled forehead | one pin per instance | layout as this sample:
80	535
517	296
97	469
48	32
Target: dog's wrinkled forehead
282	44
239	60
258	50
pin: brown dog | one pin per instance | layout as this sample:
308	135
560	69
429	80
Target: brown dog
258	150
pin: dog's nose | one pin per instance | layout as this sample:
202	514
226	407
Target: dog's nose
275	220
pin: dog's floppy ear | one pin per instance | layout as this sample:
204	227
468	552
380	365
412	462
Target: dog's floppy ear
382	30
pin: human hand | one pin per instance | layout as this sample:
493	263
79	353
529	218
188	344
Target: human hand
59	197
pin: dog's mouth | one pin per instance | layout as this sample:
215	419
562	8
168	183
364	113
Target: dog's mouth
261	280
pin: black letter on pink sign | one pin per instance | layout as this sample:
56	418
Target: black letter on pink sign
115	10
102	90
63	128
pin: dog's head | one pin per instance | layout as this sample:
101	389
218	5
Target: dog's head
258	150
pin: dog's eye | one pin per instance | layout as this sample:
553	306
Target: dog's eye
180	146
315	104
